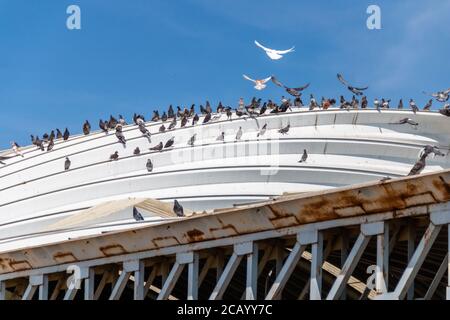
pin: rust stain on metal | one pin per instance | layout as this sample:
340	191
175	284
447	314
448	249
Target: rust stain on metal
64	257
195	235
112	250
163	240
20	265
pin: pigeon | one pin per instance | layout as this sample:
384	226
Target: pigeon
164	117
39	143
312	103
195	119
304	156
260	84
406	120
445	111
239	134
428	105
285	130
58	134
158	147
418	166
178	209
155	116
173	123
103	126
441	96
377	104
162	128
114	156
229	114
86	128
413	106
428	149
207	118
16	148
136	215
149	165
144	130
137	151
112	122
354	90
221	137
170	112
184	121
66	134
120	136
50	146
122	120
52	135
262	131
364	102
385	103
192	140
169	143
292	91
274	54
67	164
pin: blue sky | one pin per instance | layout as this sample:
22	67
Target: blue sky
140	55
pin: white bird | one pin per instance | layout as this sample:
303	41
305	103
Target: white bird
272	53
259	83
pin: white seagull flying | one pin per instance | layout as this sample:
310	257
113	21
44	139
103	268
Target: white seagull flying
272	53
259	83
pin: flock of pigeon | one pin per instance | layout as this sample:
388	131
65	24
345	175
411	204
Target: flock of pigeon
253	110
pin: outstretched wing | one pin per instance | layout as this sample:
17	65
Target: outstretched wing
262	47
341	79
278	83
447	91
301	88
284	51
266	79
362	89
248	78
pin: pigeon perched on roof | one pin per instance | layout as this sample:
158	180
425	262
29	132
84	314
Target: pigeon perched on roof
50	145
304	156
149	165
67	164
239	134
103	126
428	106
137	215
418	166
221	137
137	151
272	53
260	84
262	131
400	104
16	148
207	118
285	130
66	134
195	119
192	140
59	134
162	128
86	128
169	142
413	106
158	147
173	124
114	156
178	209
354	90
120	135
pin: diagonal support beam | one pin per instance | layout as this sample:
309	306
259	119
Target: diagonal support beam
181	260
239	251
101	285
349	266
286	271
437	278
416	261
150	280
120	285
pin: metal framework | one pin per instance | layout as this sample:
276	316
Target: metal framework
316	246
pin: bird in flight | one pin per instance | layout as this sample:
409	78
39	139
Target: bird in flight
272	53
441	96
357	91
296	92
260	84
